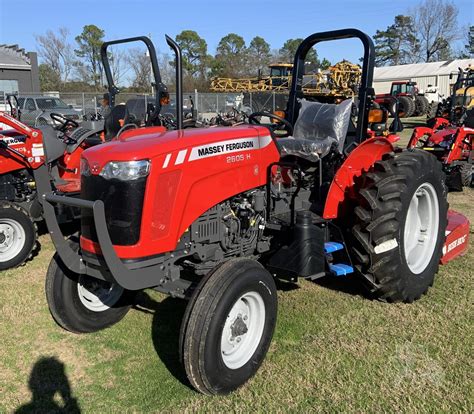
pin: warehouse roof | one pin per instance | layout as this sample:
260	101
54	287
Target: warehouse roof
12	57
421	69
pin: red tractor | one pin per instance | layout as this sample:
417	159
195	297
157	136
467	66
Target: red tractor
450	137
410	101
23	150
215	215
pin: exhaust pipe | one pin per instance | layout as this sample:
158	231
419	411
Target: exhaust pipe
179	80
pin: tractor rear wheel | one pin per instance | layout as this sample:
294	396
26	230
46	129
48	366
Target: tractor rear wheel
228	326
18	235
406	106
82	304
421	105
467	173
399	225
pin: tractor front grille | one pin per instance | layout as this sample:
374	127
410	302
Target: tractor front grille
123	202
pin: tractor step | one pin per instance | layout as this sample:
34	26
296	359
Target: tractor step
341	269
331	247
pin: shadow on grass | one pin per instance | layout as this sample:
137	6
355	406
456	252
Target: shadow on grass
168	315
47	379
166	324
351	285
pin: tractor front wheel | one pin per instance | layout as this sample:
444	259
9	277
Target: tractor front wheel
400	224
18	235
228	326
82	304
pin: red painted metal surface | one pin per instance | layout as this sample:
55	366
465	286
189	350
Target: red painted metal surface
457	236
191	171
22	138
359	160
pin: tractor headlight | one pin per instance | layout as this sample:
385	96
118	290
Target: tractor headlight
126	170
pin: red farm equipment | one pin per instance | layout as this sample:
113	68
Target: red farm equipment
410	101
450	137
54	153
215	215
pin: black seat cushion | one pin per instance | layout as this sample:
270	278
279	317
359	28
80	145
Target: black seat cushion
112	122
54	146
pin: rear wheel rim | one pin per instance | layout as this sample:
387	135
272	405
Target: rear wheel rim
12	239
421	228
243	330
97	295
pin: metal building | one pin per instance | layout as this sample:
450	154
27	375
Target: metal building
424	74
18	71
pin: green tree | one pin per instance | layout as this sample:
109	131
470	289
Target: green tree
397	44
194	49
288	51
325	64
49	78
230	59
259	54
89	43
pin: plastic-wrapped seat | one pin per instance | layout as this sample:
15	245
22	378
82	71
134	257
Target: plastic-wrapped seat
318	127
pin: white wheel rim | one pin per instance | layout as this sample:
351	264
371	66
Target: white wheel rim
243	330
12	239
421	228
97	295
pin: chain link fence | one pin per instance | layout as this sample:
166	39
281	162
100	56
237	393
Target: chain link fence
35	111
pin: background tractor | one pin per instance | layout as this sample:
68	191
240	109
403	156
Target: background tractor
450	137
214	215
269	93
410	101
51	155
458	106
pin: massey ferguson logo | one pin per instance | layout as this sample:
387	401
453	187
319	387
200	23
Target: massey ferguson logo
95	168
13	140
214	149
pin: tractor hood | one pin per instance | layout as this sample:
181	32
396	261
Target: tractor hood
149	143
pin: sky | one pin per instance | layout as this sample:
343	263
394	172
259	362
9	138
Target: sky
274	20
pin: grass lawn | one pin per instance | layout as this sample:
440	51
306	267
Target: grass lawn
333	350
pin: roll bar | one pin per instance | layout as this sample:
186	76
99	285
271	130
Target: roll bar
365	90
160	88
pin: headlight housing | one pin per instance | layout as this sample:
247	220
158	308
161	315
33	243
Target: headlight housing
125	170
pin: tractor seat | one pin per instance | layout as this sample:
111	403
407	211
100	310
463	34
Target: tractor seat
54	146
93	140
319	127
112	123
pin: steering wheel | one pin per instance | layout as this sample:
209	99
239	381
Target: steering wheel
281	122
63	121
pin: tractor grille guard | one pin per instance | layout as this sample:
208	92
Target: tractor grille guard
131	279
146	274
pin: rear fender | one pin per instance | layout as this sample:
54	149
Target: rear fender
359	160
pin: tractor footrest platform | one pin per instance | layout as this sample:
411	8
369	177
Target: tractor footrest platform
341	269
331	247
